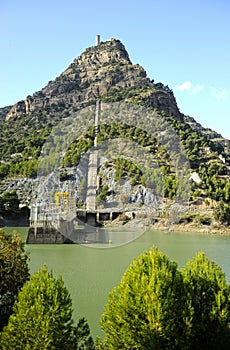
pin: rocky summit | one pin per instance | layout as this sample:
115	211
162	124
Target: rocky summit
100	70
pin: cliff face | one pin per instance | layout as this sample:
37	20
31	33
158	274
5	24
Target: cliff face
91	76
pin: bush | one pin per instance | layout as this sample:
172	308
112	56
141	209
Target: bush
222	213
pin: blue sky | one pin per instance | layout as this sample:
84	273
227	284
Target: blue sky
184	44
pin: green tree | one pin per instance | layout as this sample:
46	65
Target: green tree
42	318
11	200
14	272
4	170
157	306
147	309
208	302
222	213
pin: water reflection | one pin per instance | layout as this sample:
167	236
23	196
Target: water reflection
97	237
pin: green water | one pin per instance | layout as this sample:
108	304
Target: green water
89	273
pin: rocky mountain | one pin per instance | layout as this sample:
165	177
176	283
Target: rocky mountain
106	72
99	70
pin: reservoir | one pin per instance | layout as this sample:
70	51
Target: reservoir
90	272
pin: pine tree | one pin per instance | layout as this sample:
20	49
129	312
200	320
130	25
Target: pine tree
222	213
208	298
147	308
157	306
42	318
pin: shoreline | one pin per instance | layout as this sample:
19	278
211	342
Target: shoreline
189	228
159	225
162	225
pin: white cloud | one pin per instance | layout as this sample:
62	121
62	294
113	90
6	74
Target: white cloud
188	86
220	94
185	86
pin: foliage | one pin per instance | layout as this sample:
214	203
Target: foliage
204	219
103	194
197	217
222	213
125	167
120	94
208	302
147	308
9	201
21	143
14	272
73	154
42	318
204	155
157	306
